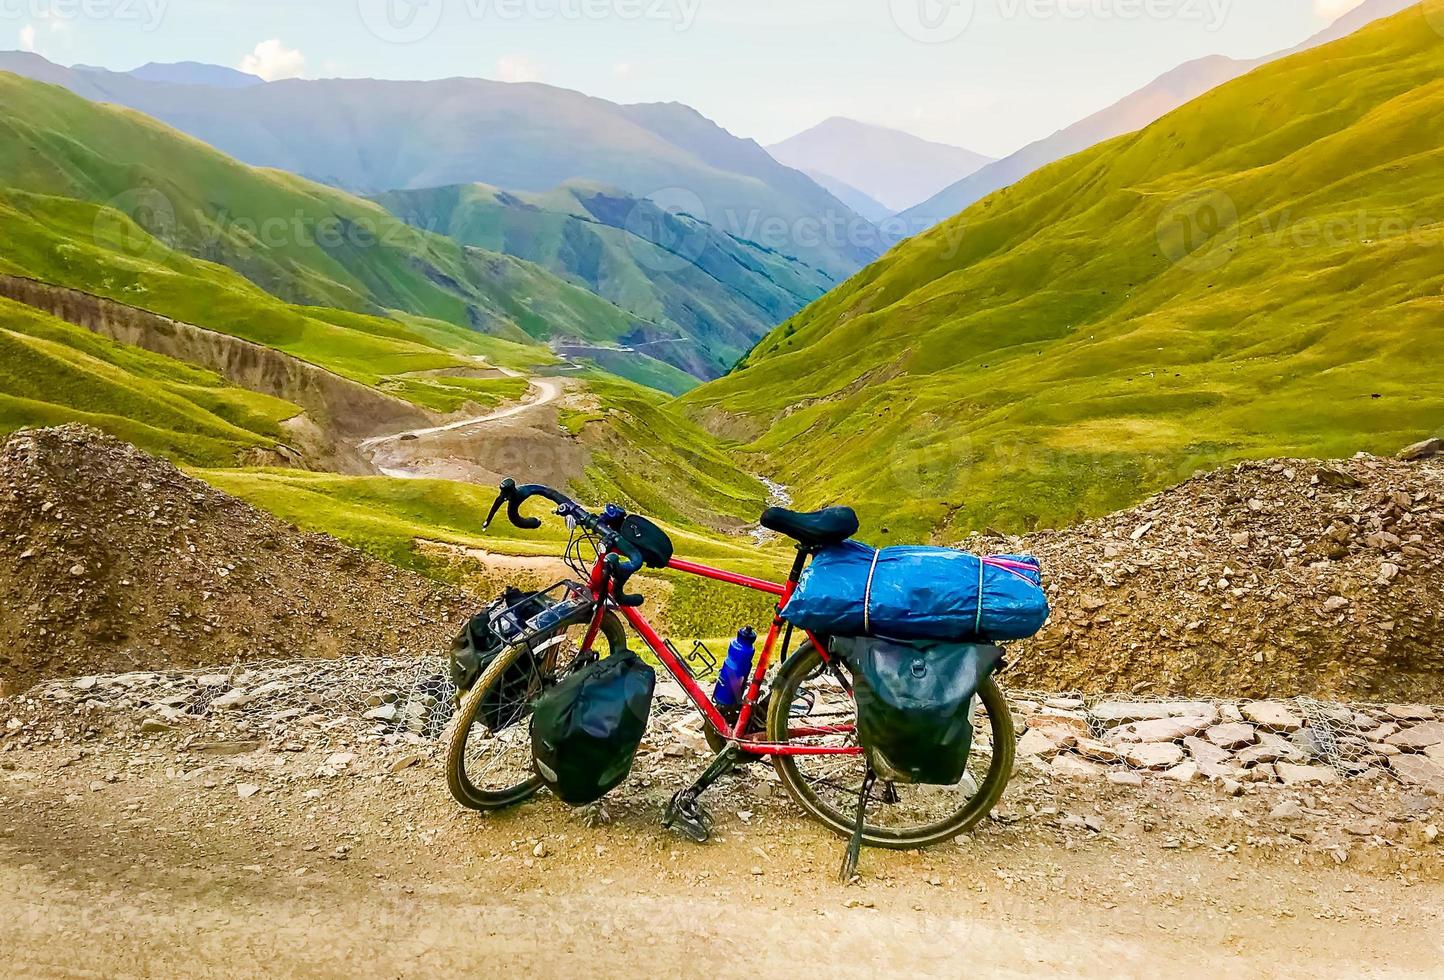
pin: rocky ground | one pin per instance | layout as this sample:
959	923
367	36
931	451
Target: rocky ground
293	818
112	559
180	795
1270	578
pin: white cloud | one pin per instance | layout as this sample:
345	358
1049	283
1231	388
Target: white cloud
27	37
517	68
624	70
272	61
1332	10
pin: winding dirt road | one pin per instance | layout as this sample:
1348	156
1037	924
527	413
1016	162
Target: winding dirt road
453	450
548	392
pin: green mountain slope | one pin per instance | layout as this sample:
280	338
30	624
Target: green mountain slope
702	297
302	242
1257	273
52	373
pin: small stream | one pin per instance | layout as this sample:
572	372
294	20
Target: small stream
777	496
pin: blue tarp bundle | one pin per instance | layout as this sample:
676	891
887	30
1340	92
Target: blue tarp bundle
918	593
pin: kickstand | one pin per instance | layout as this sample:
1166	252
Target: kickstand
684	811
854	846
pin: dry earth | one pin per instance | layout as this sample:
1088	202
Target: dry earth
143	855
1270	578
113	559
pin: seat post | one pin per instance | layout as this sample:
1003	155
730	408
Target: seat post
799	563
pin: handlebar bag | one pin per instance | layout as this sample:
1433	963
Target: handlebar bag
914	704
918	593
585	731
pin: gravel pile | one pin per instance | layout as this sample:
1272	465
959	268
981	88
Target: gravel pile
1275	578
114	560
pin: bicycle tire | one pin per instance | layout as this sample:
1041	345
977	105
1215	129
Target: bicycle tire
989	792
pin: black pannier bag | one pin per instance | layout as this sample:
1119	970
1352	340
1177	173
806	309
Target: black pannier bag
914	704
585	731
483	637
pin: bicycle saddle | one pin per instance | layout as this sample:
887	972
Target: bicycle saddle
814	528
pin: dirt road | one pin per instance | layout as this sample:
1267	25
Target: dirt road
146	861
521	440
543	392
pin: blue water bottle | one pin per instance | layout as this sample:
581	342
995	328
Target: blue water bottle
736	669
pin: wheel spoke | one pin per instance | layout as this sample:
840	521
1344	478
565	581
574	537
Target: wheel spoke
830	783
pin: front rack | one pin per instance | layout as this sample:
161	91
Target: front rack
537	615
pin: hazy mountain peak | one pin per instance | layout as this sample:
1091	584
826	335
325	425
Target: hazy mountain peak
195	73
894	168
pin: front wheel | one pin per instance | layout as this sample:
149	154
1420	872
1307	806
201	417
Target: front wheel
486	768
807	694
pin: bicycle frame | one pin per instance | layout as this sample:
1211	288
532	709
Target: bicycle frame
752	745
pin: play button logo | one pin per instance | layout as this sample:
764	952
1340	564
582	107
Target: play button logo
400	21
932	21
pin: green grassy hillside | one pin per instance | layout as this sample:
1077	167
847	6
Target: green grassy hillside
92	248
304	243
52	373
368	136
1257	273
682	278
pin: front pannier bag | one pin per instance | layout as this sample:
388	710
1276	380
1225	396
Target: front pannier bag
585	731
914	704
917	592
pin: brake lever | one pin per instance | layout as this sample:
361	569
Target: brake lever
496	506
616	581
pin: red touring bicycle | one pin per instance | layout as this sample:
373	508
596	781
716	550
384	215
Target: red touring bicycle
797	708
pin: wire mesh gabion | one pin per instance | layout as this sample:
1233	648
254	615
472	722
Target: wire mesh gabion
412	699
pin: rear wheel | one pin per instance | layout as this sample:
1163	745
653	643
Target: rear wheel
899	815
489	769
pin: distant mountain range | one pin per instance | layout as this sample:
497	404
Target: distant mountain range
1161	96
369	136
893	168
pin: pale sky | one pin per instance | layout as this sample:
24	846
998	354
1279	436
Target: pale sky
991	75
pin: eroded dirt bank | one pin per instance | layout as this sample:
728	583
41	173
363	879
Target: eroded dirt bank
338	410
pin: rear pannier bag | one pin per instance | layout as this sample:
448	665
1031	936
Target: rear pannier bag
914	704
917	592
585	731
